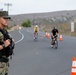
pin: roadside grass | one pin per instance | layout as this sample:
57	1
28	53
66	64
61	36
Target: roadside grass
64	28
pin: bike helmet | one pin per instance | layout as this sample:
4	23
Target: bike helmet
36	25
55	27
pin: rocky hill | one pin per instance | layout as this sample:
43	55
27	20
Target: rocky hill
50	17
47	20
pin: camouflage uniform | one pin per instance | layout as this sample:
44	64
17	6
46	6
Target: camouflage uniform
3	65
4	68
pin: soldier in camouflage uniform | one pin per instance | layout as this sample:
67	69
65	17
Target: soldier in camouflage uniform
4	60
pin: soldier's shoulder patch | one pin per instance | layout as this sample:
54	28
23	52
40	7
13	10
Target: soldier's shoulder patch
1	34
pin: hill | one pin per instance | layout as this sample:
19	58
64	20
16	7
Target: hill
47	20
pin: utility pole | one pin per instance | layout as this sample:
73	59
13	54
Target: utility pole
8	4
1	9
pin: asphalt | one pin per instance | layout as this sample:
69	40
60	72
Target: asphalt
38	58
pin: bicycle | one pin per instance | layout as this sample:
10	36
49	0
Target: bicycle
36	37
55	42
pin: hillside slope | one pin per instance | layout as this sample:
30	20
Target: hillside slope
47	20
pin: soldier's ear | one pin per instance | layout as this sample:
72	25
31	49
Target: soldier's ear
0	19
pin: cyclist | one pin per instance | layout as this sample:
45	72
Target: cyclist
36	30
54	34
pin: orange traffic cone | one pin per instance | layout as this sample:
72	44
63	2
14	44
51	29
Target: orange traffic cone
73	71
48	35
60	38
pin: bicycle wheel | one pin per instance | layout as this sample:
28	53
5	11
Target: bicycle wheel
36	37
56	44
52	43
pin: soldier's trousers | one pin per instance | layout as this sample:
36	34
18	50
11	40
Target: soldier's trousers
4	68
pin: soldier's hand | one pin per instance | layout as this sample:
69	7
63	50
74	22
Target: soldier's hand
7	43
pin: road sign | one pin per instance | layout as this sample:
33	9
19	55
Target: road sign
72	26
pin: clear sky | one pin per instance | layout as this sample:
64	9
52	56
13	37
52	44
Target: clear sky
37	6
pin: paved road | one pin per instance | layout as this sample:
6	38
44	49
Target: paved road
38	58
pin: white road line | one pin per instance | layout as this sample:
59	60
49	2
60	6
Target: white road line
32	32
29	31
21	37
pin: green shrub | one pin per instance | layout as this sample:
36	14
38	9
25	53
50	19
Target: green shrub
27	23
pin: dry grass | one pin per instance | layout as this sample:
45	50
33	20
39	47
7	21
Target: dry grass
64	28
14	28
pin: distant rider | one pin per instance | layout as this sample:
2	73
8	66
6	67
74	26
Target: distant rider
54	34
36	30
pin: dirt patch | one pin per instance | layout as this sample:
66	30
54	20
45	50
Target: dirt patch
15	28
64	29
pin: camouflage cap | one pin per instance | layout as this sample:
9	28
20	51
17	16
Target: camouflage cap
4	14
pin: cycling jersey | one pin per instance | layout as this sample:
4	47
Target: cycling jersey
36	29
54	31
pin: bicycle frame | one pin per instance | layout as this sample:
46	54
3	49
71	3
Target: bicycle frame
55	42
36	36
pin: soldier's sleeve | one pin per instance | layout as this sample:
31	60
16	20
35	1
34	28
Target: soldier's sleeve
1	37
